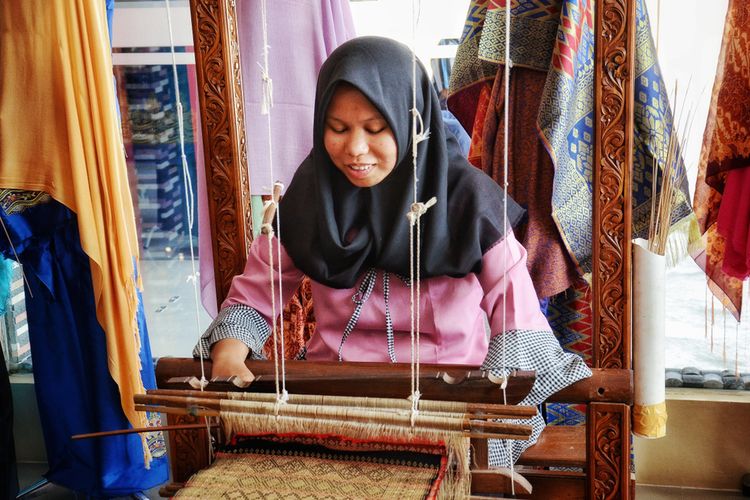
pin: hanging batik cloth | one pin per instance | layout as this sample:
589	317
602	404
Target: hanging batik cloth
559	35
722	199
80	246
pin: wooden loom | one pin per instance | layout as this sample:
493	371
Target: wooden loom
602	448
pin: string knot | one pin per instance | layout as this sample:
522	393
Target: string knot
267	97
414	398
420	134
419	209
281	399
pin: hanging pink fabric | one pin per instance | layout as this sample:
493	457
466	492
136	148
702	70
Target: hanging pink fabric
301	35
734	223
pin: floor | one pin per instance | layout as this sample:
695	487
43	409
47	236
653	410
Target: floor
30	473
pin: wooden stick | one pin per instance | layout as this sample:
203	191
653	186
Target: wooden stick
364	414
138	430
476	410
481	430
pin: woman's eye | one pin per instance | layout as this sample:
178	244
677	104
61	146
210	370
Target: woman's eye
336	130
376	130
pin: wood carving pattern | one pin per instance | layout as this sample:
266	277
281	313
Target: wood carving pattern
614	74
609	464
217	61
189	449
239	113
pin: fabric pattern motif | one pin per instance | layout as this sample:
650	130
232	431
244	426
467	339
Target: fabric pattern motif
307	471
571	319
532	36
299	323
566	111
15	201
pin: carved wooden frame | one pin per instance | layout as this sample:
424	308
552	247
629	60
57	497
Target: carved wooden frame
220	95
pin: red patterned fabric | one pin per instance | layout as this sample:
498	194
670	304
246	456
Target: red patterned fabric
299	323
726	147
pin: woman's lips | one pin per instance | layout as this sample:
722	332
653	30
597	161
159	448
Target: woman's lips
360	170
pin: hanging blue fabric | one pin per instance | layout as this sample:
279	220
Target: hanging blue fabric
74	389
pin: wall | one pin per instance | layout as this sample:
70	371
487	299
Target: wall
707	443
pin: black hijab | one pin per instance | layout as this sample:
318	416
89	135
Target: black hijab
334	231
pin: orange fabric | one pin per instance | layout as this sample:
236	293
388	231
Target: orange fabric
59	133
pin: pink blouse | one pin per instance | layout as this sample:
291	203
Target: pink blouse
453	310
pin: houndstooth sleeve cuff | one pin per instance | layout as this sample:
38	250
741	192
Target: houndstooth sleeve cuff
536	350
239	322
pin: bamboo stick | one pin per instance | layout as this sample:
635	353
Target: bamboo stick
195	407
140	430
498	411
395	417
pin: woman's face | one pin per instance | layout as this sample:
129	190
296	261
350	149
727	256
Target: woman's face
358	138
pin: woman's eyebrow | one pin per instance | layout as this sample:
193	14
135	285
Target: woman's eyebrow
370	119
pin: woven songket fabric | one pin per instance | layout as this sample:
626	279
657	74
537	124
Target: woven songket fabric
320	467
561	32
721	191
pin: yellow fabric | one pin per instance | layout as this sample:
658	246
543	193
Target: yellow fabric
59	133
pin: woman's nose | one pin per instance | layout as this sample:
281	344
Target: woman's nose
357	144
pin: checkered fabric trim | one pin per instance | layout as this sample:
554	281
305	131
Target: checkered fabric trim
536	350
240	322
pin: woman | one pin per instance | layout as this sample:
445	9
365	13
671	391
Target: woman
345	226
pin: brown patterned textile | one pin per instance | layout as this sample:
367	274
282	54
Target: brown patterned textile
270	469
299	323
530	177
726	146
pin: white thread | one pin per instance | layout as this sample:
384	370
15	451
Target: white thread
265	74
414	219
189	205
266	106
506	106
269	236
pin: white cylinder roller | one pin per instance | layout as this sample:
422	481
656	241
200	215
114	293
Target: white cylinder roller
649	300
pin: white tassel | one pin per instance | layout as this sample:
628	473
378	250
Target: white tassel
267	101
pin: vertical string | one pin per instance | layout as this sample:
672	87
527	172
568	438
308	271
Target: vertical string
266	105
189	206
414	286
724	336
506	128
269	236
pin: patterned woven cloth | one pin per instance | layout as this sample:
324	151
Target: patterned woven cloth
565	120
725	153
275	467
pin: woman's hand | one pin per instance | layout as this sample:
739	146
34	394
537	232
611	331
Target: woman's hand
228	358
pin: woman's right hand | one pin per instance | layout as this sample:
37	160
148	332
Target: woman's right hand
228	360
